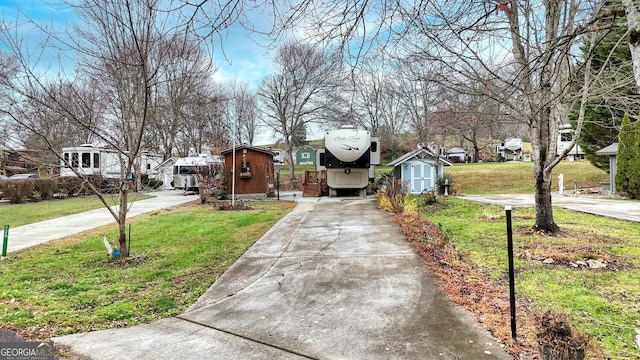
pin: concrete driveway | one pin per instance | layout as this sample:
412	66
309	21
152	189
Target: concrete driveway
334	279
619	209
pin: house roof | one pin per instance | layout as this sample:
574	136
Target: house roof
249	147
610	150
417	153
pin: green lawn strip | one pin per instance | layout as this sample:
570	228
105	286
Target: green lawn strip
71	285
517	177
27	213
605	304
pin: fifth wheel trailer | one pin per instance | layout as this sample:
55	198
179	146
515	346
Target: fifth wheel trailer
349	158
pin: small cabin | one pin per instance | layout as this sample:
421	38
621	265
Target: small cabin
306	155
419	169
249	172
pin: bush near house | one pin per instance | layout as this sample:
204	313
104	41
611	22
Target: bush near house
17	191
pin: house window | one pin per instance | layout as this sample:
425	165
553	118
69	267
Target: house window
74	159
305	155
566	136
96	160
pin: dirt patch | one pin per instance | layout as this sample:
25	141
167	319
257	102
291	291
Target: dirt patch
589	253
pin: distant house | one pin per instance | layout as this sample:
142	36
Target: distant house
306	155
457	155
252	174
420	169
612	152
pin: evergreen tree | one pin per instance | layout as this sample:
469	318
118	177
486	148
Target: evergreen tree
628	158
612	61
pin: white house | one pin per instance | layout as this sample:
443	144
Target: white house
420	169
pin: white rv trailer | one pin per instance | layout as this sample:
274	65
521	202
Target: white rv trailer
510	150
88	159
349	158
565	137
187	170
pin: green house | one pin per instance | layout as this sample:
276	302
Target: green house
306	155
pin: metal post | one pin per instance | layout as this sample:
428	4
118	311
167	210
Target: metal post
5	241
278	183
512	287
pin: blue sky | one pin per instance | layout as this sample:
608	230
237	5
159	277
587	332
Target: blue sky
236	52
243	58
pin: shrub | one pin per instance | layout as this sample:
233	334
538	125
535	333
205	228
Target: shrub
70	185
17	190
393	194
557	340
45	187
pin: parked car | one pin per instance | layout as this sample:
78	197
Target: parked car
23	176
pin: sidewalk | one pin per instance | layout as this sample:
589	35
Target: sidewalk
618	209
22	237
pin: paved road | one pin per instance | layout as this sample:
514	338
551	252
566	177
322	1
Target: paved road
22	237
334	279
620	209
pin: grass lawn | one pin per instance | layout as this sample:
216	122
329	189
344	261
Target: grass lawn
71	285
27	213
517	177
604	303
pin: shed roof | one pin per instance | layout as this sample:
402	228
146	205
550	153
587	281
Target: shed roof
609	150
249	147
417	153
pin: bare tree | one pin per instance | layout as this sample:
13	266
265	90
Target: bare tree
535	40
242	111
122	46
296	93
183	91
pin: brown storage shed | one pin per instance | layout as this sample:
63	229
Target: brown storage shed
254	174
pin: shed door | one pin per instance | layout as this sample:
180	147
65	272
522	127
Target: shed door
421	178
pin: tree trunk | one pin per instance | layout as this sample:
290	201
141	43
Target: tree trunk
122	220
544	208
544	154
292	175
